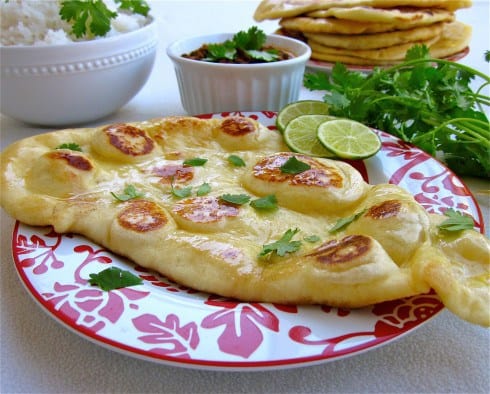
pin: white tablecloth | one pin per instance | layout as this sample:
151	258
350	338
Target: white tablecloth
38	355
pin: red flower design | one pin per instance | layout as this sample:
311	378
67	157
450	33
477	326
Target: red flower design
41	256
242	322
175	340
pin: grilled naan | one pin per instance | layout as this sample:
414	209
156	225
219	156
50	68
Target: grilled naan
234	247
275	9
374	41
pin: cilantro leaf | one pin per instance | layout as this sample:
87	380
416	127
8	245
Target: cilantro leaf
89	17
344	222
294	166
456	221
114	278
182	192
225	50
283	245
195	162
267	203
137	6
252	39
130	192
312	238
238	199
204	189
70	146
237	161
266	56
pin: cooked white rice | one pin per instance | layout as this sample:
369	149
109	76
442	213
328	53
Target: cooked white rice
37	22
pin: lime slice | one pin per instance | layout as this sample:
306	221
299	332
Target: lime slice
301	135
303	107
348	139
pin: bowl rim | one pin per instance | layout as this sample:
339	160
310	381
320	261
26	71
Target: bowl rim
171	52
83	44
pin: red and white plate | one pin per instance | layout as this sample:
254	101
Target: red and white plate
163	322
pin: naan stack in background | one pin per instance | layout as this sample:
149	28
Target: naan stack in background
370	32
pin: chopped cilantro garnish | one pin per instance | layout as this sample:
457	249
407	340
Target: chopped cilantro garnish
114	278
250	43
237	161
456	221
283	245
267	203
182	192
195	162
130	192
294	166
344	222
204	189
71	146
238	199
312	238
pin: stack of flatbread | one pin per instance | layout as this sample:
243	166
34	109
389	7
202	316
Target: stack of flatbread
370	32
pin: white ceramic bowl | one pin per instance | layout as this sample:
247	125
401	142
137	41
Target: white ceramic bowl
216	87
60	85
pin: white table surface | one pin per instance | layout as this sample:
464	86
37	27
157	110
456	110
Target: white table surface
38	355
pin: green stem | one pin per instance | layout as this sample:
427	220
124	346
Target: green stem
472	132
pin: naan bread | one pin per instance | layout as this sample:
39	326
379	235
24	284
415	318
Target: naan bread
382	15
276	9
205	242
374	41
454	38
342	26
388	54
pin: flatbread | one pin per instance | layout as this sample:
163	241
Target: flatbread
381	15
211	244
342	26
372	56
455	38
276	9
374	41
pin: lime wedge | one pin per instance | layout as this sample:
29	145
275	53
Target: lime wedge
300	135
297	108
348	139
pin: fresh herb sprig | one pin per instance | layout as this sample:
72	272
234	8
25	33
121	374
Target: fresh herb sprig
456	221
249	43
425	101
283	245
92	18
114	278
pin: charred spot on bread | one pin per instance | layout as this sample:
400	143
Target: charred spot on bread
319	174
73	159
129	140
384	210
238	126
342	251
142	216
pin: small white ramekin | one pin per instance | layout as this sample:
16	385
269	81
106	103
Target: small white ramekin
207	87
68	84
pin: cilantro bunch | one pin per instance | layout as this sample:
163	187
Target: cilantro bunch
245	44
427	102
91	18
